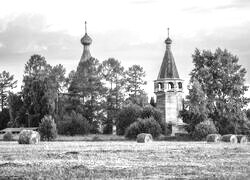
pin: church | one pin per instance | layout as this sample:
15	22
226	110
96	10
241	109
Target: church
168	89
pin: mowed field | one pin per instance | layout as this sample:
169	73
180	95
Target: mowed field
124	160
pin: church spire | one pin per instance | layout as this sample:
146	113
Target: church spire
86	41
85	27
168	67
168	41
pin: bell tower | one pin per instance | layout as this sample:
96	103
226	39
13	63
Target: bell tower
168	89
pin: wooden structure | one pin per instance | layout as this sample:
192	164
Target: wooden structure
17	130
169	91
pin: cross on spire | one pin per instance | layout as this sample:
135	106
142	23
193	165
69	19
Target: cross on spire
85	27
168	32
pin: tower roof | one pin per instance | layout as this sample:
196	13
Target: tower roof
86	40
168	68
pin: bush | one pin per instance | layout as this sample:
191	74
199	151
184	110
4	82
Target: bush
28	137
203	129
149	111
8	136
127	116
73	124
47	128
149	125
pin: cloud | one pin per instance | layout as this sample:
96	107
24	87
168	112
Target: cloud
29	34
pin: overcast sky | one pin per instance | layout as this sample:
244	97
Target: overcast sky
132	31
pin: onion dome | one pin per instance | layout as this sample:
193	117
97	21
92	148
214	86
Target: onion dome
86	40
168	40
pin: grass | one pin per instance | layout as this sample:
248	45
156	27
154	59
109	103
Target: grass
124	160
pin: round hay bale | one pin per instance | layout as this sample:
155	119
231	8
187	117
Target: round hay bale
28	137
144	138
242	139
229	138
213	137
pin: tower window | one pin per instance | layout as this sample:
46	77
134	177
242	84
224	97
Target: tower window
180	85
170	85
160	86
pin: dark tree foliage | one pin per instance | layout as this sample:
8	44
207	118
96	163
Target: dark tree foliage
88	87
47	128
127	116
150	111
15	105
147	125
4	118
41	84
217	92
113	74
73	123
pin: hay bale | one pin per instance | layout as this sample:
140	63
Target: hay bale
213	138
242	139
144	138
28	137
229	138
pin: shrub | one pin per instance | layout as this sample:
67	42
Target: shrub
127	116
28	137
8	136
149	125
203	129
149	111
73	124
47	128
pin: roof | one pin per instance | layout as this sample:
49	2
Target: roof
17	129
168	68
86	40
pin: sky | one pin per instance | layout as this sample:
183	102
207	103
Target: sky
131	31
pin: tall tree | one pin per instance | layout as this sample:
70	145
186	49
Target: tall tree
134	83
113	74
7	82
87	85
41	85
218	80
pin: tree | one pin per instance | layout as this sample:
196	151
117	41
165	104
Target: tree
41	84
15	105
134	81
134	78
7	82
217	91
89	89
113	74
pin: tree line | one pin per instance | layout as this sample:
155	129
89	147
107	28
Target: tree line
95	92
101	94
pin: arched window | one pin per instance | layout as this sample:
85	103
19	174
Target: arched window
179	85
160	86
170	85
